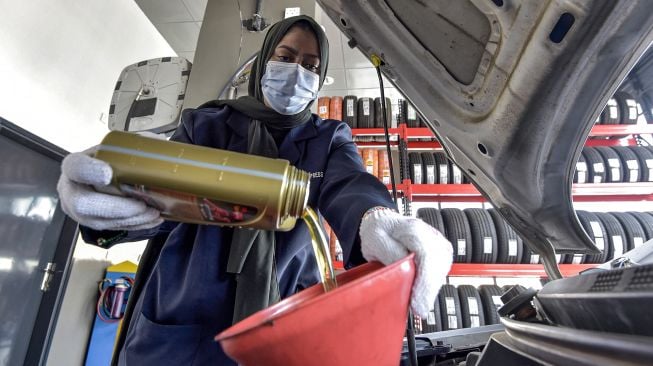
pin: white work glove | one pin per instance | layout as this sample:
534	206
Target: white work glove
387	236
99	211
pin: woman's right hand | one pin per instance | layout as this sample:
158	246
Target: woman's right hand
96	210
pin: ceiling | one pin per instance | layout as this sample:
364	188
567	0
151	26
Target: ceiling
180	21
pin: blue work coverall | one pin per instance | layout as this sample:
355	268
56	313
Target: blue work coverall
189	297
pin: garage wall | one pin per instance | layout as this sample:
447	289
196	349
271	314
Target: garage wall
222	46
60	61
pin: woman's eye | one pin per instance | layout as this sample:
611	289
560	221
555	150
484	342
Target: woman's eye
312	68
283	58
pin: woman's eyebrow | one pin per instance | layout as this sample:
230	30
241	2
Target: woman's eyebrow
290	49
295	52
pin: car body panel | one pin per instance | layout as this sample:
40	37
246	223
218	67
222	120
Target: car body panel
510	105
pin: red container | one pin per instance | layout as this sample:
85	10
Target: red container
362	322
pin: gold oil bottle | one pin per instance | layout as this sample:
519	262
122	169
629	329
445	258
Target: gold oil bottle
197	184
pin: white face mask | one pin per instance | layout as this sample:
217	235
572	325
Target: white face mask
288	88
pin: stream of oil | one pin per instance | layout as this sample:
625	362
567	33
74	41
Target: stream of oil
321	249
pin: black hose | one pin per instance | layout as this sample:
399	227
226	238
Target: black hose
410	328
387	138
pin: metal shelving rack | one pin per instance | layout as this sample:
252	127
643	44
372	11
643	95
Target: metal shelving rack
401	139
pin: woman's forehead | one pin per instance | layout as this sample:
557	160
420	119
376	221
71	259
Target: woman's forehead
301	41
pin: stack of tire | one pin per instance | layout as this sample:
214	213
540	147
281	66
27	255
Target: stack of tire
615	164
408	115
483	236
463	307
433	168
622	108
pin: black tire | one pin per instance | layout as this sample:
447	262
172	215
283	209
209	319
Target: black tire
635	235
404	172
471	306
450	308
429	169
365	113
600	118
378	112
484	236
615	233
627	108
442	167
350	111
509	244
457	176
490	297
632	170
401	113
596	168
611	114
365	117
458	233
614	169
433	322
569	258
580	175
409	114
646	221
529	256
432	217
596	231
645	157
415	163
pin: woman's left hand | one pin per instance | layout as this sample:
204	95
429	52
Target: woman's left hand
387	236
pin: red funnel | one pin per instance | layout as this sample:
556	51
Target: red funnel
362	322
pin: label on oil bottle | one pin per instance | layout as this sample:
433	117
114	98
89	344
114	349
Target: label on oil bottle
177	204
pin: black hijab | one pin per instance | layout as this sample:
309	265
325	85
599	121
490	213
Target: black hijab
252	105
252	252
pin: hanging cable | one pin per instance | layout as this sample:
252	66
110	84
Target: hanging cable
376	61
410	328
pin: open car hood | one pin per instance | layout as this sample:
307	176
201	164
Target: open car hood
511	88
